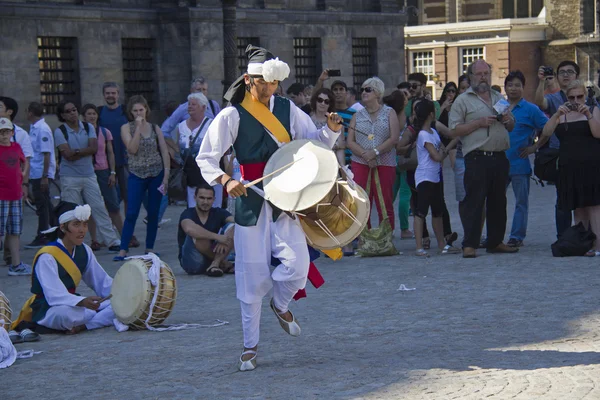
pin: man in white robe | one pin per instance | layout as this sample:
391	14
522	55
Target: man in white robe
261	231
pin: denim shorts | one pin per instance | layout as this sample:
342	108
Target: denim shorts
111	200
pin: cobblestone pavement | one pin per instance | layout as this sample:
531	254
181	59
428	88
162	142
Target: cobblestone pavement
519	326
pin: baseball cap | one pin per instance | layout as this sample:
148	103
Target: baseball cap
338	82
6	124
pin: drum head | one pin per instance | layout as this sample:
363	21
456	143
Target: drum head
316	237
131	290
305	182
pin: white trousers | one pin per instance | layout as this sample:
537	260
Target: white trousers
254	246
191	201
64	318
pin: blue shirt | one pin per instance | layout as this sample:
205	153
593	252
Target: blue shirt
84	167
528	119
113	120
181	114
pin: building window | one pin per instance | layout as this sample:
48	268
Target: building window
307	60
242	44
321	5
364	59
470	54
588	14
59	75
422	61
138	69
521	8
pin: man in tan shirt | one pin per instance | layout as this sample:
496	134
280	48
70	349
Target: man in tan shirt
484	135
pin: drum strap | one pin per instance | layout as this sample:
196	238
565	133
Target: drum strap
65	261
266	118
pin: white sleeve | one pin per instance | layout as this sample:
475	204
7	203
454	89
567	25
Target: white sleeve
303	127
221	134
25	143
95	276
55	292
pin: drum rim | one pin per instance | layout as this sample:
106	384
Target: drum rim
119	299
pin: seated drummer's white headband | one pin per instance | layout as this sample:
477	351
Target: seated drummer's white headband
80	213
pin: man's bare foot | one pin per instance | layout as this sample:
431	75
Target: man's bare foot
76	330
248	357
227	267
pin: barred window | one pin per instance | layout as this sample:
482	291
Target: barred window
422	61
588	14
364	59
307	60
242	44
470	54
138	69
59	74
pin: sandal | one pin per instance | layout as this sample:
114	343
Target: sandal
119	258
95	246
229	267
592	253
421	253
426	243
448	249
214	271
29	336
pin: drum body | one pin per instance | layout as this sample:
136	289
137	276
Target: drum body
338	218
5	312
133	293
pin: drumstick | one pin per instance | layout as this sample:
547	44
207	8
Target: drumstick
254	182
347	125
102	300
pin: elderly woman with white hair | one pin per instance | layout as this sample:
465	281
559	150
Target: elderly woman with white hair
188	136
372	137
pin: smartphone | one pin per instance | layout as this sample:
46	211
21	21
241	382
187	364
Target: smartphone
334	72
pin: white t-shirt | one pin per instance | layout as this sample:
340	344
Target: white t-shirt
22	137
428	169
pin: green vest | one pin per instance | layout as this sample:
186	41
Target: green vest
254	145
40	306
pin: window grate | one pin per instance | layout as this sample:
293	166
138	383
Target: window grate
307	60
364	60
138	69
422	61
59	75
242	44
470	54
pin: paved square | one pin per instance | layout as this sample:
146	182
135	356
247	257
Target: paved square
502	326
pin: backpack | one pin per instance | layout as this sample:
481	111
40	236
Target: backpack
86	126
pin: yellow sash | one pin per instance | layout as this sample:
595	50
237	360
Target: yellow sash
263	115
65	261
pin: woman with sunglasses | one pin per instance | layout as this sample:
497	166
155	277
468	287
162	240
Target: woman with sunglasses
322	103
372	137
577	127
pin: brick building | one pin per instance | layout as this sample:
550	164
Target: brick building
443	37
67	48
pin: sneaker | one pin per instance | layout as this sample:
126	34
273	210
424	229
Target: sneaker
15	337
164	221
18	270
512	242
29	336
37	243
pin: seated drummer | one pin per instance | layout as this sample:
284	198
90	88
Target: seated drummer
205	236
57	270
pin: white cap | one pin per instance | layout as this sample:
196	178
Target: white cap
5	123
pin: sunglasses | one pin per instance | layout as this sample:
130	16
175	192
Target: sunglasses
571	98
320	100
366	89
415	85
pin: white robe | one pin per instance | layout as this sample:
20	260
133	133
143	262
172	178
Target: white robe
64	314
283	238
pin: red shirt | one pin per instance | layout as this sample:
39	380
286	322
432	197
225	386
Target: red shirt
11	178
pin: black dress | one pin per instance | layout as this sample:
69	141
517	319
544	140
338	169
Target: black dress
578	166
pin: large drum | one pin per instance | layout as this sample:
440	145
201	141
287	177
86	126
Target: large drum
5	312
333	212
134	296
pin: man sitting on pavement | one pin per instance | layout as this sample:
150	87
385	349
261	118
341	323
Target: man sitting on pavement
205	236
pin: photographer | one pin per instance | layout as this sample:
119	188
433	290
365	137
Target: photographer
577	127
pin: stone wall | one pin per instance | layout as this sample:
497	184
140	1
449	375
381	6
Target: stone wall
526	57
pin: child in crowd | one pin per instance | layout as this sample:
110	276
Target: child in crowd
430	153
12	167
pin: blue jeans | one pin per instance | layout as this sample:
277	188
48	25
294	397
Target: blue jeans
164	203
563	218
137	188
191	260
520	185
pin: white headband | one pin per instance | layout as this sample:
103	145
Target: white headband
80	213
271	70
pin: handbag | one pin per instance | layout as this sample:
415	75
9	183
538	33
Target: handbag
545	165
574	241
377	242
177	177
409	161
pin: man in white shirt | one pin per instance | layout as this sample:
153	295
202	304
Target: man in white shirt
42	171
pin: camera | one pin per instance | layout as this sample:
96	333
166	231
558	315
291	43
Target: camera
548	71
499	117
572	106
334	72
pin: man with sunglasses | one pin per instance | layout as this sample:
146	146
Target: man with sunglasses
567	72
417	83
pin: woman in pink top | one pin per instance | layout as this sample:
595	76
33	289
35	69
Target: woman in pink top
104	166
